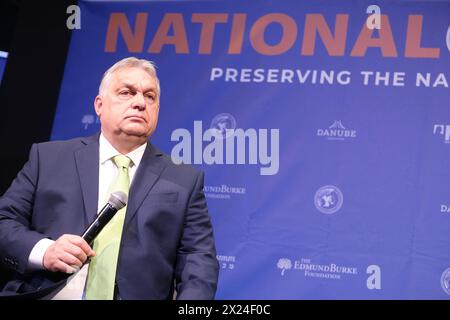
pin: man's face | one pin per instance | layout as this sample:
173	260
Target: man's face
128	107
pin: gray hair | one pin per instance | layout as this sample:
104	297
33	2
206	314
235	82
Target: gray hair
130	62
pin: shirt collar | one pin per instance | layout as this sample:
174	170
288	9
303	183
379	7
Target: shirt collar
107	151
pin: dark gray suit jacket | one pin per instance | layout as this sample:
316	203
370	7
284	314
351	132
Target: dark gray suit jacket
167	238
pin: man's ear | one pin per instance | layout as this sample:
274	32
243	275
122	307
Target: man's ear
98	102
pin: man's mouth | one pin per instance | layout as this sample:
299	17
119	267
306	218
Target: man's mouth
136	117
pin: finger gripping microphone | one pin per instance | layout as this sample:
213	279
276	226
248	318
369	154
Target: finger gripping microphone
117	200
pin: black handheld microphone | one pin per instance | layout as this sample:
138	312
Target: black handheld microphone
117	201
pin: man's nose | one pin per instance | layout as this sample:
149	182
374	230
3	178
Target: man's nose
139	101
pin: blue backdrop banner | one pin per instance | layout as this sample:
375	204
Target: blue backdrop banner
323	128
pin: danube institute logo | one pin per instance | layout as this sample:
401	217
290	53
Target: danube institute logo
445	208
328	199
224	124
445	281
337	131
284	264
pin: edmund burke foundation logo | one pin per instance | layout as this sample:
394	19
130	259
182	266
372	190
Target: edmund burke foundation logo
284	264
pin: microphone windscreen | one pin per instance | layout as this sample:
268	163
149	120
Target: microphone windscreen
118	199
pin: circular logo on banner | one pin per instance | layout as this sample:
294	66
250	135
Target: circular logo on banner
328	199
445	281
448	38
222	122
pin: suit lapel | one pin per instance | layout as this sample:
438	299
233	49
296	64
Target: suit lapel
87	159
149	171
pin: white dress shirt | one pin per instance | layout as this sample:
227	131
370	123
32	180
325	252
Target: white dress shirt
74	288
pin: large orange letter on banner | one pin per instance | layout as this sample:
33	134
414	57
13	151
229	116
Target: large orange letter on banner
178	39
134	41
288	37
315	23
413	37
385	41
208	21
237	33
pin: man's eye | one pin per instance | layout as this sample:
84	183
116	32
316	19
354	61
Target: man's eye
150	97
125	93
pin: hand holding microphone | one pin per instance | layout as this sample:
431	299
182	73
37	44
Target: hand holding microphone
69	252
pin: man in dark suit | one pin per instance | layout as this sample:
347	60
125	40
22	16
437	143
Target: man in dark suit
166	242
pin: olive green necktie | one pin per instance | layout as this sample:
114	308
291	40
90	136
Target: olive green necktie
102	268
